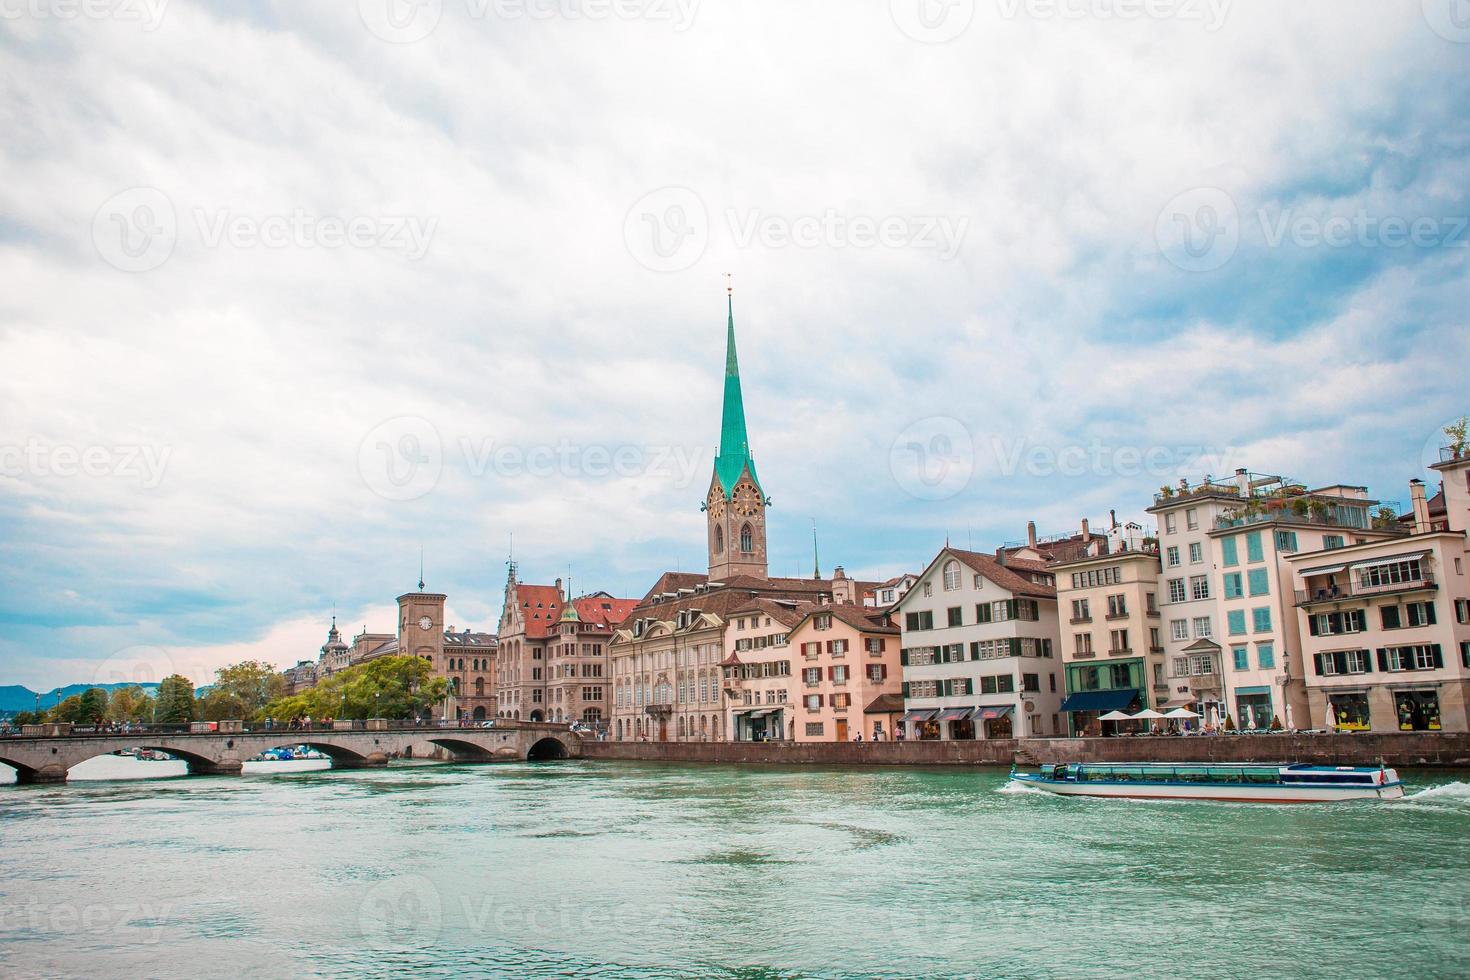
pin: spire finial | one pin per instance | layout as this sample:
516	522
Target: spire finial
729	284
816	556
421	568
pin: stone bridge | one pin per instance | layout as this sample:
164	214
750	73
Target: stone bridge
46	758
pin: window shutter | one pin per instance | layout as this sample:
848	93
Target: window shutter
903	657
969	685
1313	628
1429	614
829	646
829	673
1436	653
1317	659
905	690
882	644
1382	659
883	672
1368	662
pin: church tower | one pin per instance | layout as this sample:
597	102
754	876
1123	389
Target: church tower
735	507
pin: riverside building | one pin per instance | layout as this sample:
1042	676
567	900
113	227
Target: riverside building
979	639
1385	623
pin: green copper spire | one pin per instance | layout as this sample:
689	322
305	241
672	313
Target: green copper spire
734	454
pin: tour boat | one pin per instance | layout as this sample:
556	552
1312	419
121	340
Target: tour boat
1211	781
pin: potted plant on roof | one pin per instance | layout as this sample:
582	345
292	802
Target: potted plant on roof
1166	491
1459	436
1319	508
1299	506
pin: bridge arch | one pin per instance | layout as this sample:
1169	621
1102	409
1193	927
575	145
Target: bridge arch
464	750
550	747
23	772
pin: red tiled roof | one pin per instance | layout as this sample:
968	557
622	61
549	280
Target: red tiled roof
1005	576
603	610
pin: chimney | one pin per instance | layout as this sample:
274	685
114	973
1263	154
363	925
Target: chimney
1000	555
1243	481
1421	506
1112	519
1030	534
1086	531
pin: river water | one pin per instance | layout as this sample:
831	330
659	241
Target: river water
620	870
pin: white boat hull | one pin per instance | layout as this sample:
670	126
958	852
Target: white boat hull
1217	791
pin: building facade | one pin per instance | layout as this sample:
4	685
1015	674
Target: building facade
979	648
1385	624
1112	647
843	660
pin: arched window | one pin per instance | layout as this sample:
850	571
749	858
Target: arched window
681	726
479	687
719	540
747	539
951	575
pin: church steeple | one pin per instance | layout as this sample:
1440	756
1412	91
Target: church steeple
734	441
735	506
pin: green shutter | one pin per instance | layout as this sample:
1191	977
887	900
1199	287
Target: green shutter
905	690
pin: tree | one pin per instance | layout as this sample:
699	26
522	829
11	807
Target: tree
93	706
175	701
1385	517
26	718
241	690
389	687
130	703
68	711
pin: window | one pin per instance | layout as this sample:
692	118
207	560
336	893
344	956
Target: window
1119	640
1418	657
1343	662
1150	603
1232	583
1179	629
874	645
1390	573
1419	613
1031	682
1170	525
919	620
1196	553
1462	610
955	615
1172	554
811	676
1199	586
1228	553
747	539
1253	550
838	674
1259	582
1331	542
951	575
1081	612
838	648
928	589
1242	660
1117	605
1332	624
1191	519
1390	617
1202	628
814	728
1261	619
1082	644
877	673
1176	590
1235	622
1266	656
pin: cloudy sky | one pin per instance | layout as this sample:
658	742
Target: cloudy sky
294	290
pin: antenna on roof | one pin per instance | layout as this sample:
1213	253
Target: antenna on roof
816	556
421	568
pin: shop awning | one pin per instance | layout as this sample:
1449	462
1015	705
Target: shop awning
992	713
763	712
954	714
1099	700
1324	570
920	714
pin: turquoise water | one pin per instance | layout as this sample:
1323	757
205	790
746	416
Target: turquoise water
627	870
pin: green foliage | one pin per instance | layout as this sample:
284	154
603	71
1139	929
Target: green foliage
130	704
1459	435
389	687
26	718
68	711
241	690
175	700
93	706
1385	517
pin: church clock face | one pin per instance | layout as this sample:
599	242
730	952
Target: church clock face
716	503
425	623
747	501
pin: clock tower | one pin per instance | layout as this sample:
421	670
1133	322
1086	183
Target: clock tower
735	507
421	626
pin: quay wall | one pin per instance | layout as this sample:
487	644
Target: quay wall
1441	750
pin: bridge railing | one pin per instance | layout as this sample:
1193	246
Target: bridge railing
273	727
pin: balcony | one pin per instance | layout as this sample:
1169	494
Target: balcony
1081	619
1357	590
1083	654
1120	651
1117	615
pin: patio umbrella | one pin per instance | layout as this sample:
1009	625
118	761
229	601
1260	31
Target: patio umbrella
1115	716
1290	721
1181	713
1147	713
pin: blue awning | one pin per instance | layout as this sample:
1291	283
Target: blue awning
1099	700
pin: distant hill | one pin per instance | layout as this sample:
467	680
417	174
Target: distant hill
14	697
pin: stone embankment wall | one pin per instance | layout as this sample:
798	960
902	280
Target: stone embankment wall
1450	750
